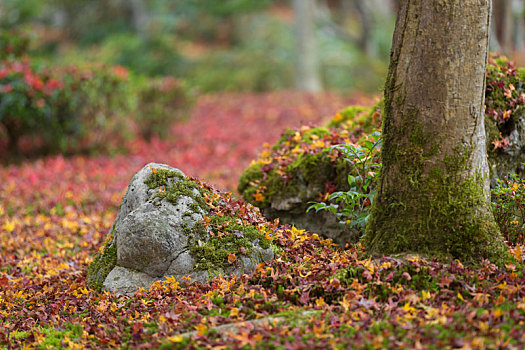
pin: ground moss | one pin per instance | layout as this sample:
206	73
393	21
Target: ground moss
440	212
53	338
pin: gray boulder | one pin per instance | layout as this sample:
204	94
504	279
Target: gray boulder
159	232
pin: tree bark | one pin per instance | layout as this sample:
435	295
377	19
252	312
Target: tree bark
307	74
434	196
518	25
506	35
365	41
140	17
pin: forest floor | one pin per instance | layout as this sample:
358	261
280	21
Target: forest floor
55	213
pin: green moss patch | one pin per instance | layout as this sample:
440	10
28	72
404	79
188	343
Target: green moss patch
220	239
173	190
103	263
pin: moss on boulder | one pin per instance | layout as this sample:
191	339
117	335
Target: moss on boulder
170	225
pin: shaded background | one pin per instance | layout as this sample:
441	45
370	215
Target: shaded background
208	46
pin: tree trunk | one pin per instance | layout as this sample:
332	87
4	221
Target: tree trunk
434	196
12	137
366	43
518	25
307	74
494	44
140	17
506	35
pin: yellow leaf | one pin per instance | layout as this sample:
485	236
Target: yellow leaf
483	326
175	339
9	226
460	297
318	144
234	312
306	274
338	117
320	302
518	252
478	343
425	294
201	328
460	265
345	303
297	150
408	308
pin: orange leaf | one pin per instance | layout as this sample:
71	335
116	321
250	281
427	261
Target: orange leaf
231	258
258	197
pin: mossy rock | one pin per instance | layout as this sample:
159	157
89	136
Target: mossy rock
511	157
505	117
169	225
301	168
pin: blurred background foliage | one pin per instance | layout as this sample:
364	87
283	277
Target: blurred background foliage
232	45
87	75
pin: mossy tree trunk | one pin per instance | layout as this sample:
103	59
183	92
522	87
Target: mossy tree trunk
434	196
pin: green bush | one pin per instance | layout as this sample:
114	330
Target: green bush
13	44
90	111
151	56
85	108
65	109
261	59
26	102
352	207
161	101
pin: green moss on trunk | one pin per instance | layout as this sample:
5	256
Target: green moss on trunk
439	211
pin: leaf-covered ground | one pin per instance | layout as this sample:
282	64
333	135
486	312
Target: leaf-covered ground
55	213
